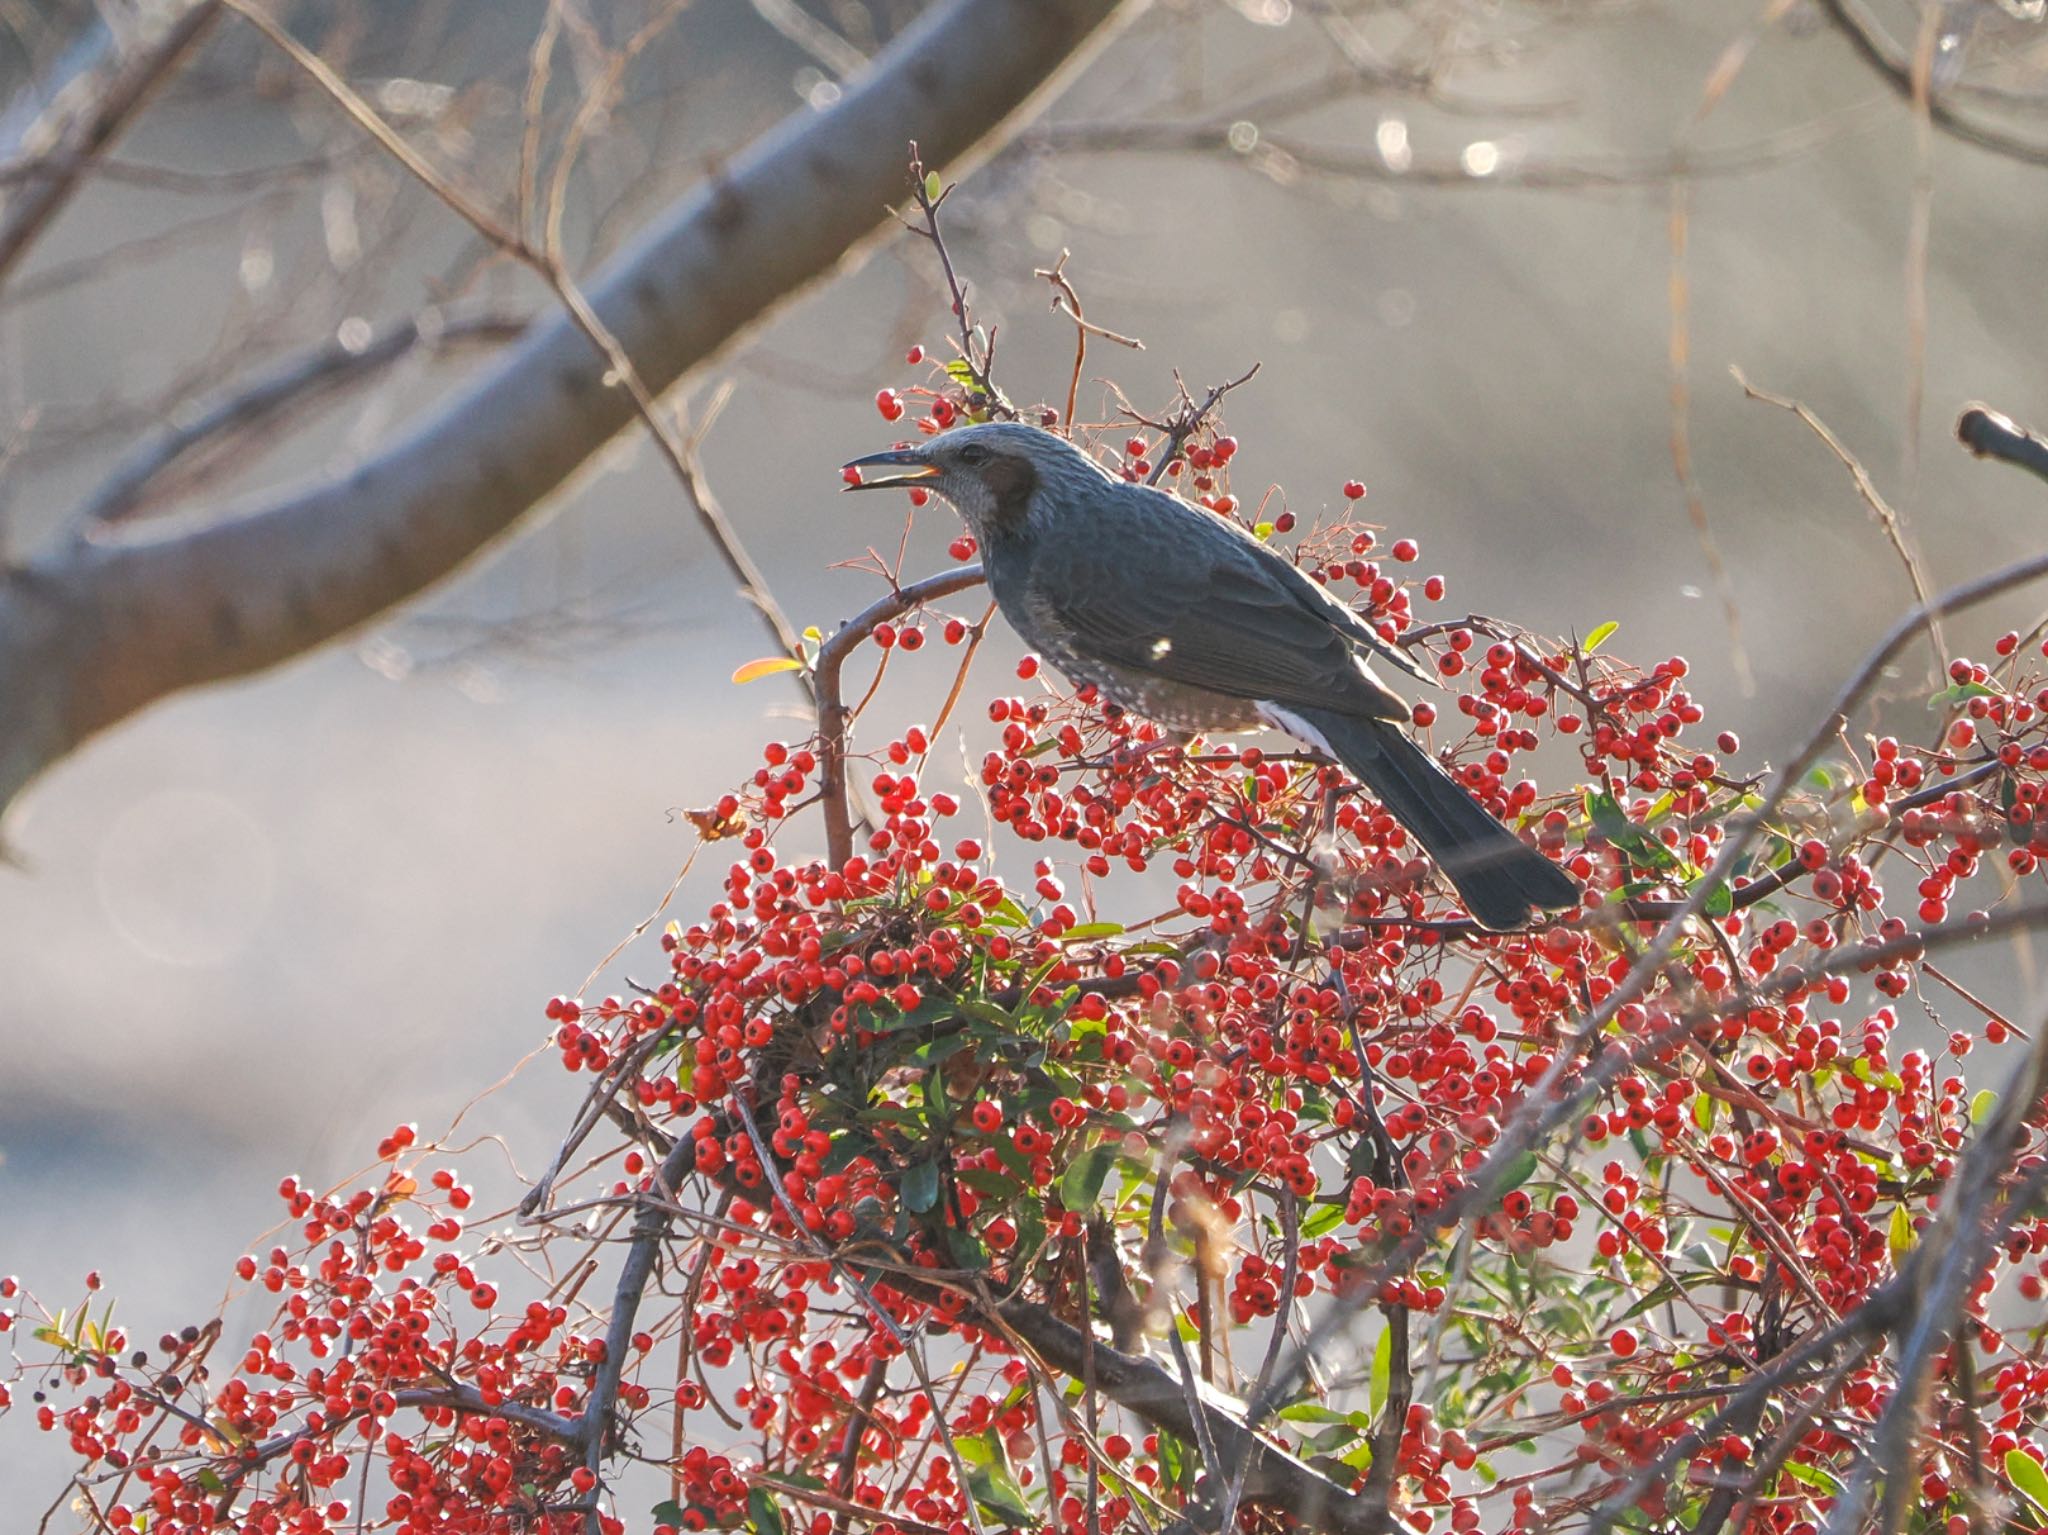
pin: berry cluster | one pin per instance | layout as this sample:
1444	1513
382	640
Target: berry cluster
1186	1045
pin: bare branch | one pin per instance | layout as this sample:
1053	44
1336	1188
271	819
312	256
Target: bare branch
138	484
116	96
832	714
1895	66
1881	510
107	629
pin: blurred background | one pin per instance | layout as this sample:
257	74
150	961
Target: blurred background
250	931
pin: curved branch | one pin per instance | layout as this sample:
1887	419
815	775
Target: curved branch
832	713
90	635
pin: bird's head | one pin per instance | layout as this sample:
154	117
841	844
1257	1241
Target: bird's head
1001	476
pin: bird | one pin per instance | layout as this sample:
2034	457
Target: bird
1184	617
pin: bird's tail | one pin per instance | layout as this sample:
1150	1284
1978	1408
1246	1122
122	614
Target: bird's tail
1499	877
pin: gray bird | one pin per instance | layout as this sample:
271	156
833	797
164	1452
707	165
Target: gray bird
1184	617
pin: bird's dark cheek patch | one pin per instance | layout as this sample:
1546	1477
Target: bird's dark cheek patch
1010	483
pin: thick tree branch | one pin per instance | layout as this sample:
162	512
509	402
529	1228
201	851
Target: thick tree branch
89	635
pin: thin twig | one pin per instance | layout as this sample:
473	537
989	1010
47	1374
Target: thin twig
1887	518
130	85
135	485
1067	302
679	454
1188	417
977	351
1896	68
1290	1247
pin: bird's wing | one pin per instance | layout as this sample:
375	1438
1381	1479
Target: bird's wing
1314	596
1194	606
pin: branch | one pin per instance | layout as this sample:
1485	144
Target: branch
105	630
1553	1100
832	715
130	79
1885	514
1892	62
1988	434
1271	1474
1955	1251
650	1229
133	487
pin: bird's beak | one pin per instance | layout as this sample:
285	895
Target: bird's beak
910	466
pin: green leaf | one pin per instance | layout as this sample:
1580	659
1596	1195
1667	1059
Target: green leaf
2028	1479
996	1490
1813	1476
1312	1412
1173	1459
997	1186
934	188
1901	1236
1605	815
1007	913
1081	1184
1703	1110
1087	930
1322	1219
764	1514
667	1511
1382	1372
1961	692
1981	1106
1720	901
1600	636
1518	1172
920	1187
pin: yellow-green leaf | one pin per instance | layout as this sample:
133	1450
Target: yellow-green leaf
934	189
2027	1477
1901	1233
1600	636
1381	1381
767	666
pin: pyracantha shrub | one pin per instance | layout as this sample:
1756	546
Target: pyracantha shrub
1131	1130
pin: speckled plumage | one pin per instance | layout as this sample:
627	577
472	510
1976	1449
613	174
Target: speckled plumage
1184	617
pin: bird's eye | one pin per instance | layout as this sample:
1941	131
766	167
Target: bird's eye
973	453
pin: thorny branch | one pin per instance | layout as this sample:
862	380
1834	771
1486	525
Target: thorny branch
977	350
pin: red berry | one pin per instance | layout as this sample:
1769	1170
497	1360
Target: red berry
889	403
1354	490
1405	549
